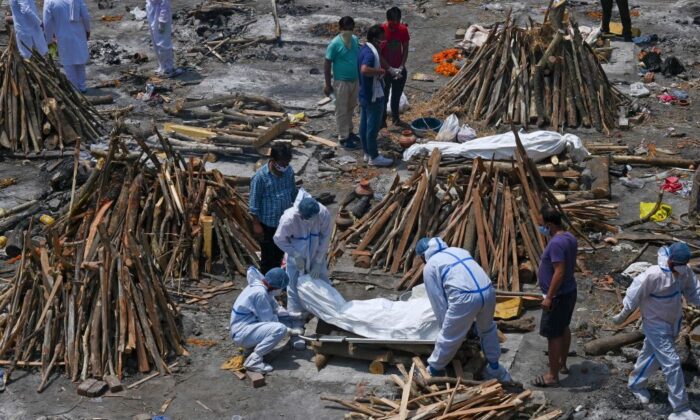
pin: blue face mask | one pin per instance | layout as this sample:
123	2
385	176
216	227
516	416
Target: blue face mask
280	168
544	230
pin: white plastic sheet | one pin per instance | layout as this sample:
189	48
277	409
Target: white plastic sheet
538	144
373	318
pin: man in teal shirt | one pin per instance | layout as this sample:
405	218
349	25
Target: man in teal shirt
341	55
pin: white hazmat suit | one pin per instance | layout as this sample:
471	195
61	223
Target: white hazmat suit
461	293
657	292
254	320
28	30
303	240
69	22
160	22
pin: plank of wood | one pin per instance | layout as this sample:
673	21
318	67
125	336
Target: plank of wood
272	133
189	131
405	394
263	113
321	140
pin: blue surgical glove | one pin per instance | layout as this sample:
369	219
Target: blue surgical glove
317	269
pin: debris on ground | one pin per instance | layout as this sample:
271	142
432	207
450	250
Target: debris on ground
423	396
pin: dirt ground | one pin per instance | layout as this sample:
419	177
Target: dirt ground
291	72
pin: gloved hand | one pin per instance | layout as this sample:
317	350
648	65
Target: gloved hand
293	332
621	317
396	73
317	269
300	263
161	27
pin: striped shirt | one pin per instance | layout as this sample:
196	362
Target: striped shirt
271	195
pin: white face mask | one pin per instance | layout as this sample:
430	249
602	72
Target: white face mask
275	293
347	38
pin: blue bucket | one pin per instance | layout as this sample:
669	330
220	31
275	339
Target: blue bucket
423	126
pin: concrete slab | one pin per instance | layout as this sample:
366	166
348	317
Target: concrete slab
623	62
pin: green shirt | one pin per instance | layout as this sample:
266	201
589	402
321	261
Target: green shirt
344	60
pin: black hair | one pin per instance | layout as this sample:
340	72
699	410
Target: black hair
374	33
393	14
550	215
281	151
345	21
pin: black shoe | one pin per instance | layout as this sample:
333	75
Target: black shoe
349	144
400	123
628	38
354	137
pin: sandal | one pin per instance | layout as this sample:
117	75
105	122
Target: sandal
540	383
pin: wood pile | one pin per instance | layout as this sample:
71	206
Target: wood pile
426	397
91	296
542	74
39	109
492	214
232	125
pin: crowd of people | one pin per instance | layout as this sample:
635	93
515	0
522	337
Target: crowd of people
65	26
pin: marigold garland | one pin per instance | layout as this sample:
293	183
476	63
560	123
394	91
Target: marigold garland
444	60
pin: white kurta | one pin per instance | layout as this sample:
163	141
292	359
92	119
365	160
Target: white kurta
160	22
28	28
69	22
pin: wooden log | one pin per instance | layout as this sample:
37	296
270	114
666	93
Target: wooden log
100	100
655	161
272	133
600	167
615	342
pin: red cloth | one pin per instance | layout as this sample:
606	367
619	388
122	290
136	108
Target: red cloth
672	184
392	46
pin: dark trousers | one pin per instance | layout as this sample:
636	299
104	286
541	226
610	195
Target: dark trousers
270	255
396	87
624	8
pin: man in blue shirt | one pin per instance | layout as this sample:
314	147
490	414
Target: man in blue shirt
372	101
272	191
341	56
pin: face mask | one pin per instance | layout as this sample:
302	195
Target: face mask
544	230
275	293
279	167
346	36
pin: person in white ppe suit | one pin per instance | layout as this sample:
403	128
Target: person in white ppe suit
255	317
68	21
461	294
303	233
160	22
28	30
657	293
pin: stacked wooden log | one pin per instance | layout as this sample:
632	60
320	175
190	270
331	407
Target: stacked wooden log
544	74
232	125
426	397
39	108
92	294
492	214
